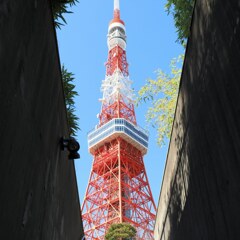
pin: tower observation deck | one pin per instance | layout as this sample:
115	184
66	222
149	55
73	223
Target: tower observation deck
118	189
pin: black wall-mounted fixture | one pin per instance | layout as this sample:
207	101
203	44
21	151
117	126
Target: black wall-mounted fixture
72	145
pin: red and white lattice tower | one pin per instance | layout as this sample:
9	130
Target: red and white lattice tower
118	189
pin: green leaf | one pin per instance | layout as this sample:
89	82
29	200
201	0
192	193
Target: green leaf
60	7
70	95
161	93
182	13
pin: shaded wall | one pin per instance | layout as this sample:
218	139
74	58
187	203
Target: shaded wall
38	190
200	192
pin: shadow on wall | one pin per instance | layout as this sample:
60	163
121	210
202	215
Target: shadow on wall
38	190
204	195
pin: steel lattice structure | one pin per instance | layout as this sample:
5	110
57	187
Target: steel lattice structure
118	189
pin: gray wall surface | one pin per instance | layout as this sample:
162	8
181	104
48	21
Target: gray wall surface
200	195
38	190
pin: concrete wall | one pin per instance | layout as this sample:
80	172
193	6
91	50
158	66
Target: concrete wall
38	190
200	195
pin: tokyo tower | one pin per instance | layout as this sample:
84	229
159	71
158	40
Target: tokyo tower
118	189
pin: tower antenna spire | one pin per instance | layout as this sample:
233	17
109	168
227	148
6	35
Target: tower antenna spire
116	11
116	5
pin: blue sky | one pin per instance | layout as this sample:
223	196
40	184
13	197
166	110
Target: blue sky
83	50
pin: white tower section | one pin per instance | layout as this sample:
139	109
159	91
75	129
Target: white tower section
116	5
117	85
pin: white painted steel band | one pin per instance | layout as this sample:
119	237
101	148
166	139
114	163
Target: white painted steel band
112	126
118	125
116	24
135	143
116	5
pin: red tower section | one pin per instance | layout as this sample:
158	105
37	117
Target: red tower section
118	189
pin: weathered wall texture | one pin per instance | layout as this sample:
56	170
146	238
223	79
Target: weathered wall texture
38	191
200	195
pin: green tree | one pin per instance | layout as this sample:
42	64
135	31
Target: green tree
162	96
60	7
162	92
70	94
122	231
182	14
